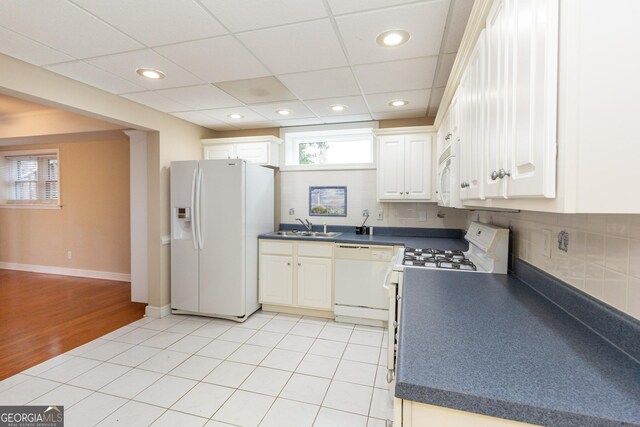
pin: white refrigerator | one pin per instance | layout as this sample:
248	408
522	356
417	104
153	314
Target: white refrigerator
218	209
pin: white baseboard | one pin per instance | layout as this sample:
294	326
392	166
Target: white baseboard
157	312
48	269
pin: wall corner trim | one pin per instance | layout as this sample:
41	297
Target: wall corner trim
157	312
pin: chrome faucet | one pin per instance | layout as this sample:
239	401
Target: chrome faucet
306	224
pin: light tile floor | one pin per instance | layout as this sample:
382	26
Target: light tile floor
272	370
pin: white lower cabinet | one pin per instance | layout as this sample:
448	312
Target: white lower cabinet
314	282
415	414
296	274
276	279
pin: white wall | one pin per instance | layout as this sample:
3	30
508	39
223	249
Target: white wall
603	259
361	194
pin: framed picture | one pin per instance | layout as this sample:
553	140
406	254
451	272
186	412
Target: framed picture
328	201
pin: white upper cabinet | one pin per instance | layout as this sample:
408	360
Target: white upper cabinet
497	106
471	101
263	150
557	124
533	35
405	170
508	98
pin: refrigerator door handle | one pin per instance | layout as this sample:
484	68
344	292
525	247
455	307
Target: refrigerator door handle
198	197
193	212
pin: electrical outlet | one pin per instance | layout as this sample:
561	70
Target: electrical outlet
69	255
380	215
422	216
292	211
365	212
546	243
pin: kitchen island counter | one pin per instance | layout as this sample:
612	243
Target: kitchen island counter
490	344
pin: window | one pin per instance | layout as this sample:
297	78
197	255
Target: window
31	178
329	149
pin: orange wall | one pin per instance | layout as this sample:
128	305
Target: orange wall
94	220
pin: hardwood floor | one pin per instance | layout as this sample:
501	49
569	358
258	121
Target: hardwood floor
42	315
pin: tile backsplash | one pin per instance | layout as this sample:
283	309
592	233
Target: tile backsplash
602	257
361	194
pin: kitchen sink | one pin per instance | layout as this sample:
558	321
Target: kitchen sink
296	233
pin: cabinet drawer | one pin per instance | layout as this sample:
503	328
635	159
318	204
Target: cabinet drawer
276	247
324	250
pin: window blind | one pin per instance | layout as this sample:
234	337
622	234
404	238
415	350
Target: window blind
33	179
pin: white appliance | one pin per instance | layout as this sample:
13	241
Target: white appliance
359	270
488	253
218	209
448	193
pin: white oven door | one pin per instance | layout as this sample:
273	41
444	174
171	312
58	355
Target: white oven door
393	287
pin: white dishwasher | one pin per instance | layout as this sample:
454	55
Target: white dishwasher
360	271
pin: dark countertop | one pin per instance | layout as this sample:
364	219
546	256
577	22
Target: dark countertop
410	241
490	344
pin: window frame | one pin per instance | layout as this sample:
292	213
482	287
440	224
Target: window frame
294	137
5	180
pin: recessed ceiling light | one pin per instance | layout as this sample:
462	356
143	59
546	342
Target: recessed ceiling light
393	38
235	116
339	107
150	73
398	103
283	112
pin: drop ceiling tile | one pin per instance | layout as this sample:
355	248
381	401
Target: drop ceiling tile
347	119
321	84
253	14
425	23
255	91
457	24
155	22
445	66
18	46
201	97
85	73
297	108
339	7
298	47
418	99
298	122
125	65
407	114
395	76
153	100
322	107
64	27
222	114
215	60
436	97
202	120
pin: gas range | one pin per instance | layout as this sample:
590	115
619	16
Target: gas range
437	258
488	253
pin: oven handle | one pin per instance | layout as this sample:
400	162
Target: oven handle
386	279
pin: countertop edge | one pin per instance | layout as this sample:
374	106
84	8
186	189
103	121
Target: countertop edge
498	408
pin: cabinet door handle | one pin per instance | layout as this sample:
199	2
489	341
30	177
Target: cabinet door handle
288	263
389	375
502	173
299	264
494	175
